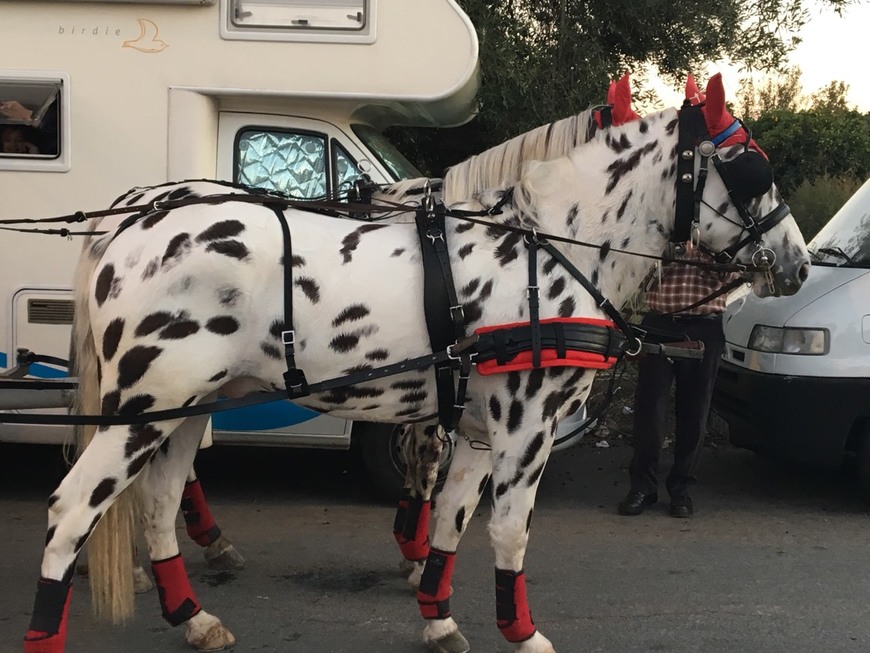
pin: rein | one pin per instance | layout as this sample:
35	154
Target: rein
346	210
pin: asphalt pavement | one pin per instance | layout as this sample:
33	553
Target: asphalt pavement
775	560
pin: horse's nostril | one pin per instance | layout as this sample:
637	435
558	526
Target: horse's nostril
804	272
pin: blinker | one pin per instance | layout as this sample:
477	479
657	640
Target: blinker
749	175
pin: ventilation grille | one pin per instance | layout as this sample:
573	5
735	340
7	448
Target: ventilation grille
50	311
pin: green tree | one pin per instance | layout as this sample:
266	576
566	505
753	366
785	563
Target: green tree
809	144
545	59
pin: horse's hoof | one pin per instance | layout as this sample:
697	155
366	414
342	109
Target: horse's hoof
141	582
222	554
455	642
205	632
537	643
443	636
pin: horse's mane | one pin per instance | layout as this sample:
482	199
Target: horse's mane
502	165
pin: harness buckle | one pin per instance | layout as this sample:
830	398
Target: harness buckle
435	234
157	205
288	337
458	357
694	237
458	308
532	289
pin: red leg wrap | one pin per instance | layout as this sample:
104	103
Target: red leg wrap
176	596
47	632
512	607
434	594
201	526
413	538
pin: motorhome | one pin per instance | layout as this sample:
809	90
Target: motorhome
291	95
795	376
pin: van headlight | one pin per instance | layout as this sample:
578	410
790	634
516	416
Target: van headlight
787	340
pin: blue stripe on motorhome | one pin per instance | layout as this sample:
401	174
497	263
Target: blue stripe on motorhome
269	416
38	369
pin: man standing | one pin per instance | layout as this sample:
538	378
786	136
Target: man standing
670	300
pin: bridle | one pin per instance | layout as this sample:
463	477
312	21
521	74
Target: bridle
694	140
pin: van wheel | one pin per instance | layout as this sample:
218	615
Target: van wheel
380	447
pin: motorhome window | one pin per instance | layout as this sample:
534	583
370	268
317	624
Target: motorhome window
289	162
346	169
393	160
324	20
30	118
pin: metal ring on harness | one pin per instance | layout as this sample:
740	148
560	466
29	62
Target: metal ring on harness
634	352
763	257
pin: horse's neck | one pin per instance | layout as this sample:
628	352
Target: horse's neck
635	215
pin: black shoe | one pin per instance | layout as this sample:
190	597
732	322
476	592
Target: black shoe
636	502
682	507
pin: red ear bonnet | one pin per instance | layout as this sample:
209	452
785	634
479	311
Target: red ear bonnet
619	96
693	93
716	114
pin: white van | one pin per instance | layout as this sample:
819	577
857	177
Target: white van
286	94
795	376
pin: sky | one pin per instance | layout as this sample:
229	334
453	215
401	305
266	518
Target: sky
832	48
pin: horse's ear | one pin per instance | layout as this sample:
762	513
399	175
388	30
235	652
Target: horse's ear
619	96
693	93
716	115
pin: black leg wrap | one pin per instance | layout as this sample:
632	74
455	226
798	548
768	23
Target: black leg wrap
212	534
412	517
402	511
48	606
182	613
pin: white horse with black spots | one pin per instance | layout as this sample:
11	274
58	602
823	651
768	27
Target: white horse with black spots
497	166
185	308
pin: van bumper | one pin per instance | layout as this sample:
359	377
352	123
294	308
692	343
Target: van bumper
800	418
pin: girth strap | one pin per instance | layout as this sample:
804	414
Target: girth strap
445	320
294	378
534	300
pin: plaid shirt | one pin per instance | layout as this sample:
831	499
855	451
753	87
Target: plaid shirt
683	285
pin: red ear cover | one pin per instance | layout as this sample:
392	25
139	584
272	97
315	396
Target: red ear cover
716	115
693	93
619	96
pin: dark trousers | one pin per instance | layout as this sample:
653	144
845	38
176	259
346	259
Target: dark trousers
694	387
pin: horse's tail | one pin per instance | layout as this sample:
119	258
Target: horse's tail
110	546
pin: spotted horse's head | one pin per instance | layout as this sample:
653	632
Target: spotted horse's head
732	208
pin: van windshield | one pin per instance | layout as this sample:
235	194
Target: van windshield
845	240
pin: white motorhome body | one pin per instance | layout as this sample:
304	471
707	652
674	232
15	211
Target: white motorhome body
287	94
795	375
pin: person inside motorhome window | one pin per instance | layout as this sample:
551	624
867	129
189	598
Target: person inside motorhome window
16	139
24	125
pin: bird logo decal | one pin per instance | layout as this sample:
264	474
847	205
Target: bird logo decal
147	40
